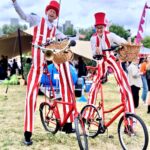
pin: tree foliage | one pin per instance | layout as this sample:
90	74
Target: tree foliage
70	31
87	32
119	30
7	29
146	42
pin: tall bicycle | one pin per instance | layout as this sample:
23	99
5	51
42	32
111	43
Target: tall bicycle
132	130
50	111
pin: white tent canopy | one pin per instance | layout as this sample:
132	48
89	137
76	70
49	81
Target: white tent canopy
9	45
82	48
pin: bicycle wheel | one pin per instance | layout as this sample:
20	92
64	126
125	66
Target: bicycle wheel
92	120
134	134
48	118
81	133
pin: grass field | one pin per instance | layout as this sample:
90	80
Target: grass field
12	114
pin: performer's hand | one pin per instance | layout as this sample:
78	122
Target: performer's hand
13	1
98	51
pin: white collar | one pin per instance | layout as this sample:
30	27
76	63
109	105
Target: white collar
49	24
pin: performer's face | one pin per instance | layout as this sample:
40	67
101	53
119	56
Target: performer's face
100	29
51	14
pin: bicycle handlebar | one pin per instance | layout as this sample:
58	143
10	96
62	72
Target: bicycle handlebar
50	41
42	46
112	48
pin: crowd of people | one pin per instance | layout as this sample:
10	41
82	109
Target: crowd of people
8	68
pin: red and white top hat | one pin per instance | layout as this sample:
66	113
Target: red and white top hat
100	19
53	5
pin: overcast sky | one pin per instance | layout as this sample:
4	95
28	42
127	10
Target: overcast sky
81	12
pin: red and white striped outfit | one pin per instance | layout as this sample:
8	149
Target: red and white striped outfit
41	33
110	61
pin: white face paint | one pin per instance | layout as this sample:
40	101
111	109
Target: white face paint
51	15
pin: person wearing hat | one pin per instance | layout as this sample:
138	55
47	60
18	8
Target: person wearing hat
44	29
101	40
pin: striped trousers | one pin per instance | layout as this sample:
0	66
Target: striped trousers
120	77
34	76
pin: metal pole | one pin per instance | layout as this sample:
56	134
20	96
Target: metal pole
59	13
20	51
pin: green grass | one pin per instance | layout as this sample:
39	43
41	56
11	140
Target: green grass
12	114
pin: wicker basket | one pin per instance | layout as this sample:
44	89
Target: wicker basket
62	56
129	52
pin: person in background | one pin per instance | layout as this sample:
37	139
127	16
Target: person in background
81	66
44	30
135	80
144	81
27	67
14	67
1	72
4	65
148	81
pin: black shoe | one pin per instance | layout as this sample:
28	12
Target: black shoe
68	128
27	141
70	131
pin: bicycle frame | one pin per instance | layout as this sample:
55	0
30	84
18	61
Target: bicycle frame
122	106
101	106
54	105
53	102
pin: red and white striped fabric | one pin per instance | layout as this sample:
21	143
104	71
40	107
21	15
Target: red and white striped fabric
120	76
41	33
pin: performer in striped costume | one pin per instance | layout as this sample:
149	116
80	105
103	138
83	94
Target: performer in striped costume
44	30
103	40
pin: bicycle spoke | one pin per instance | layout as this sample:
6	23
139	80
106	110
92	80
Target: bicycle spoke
134	134
48	118
92	120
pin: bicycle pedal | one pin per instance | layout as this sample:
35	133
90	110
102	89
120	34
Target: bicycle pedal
98	119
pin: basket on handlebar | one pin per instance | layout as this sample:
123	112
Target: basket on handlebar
129	52
62	56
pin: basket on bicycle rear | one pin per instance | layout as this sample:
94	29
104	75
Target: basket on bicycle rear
129	52
62	56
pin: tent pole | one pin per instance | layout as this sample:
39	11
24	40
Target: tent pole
20	51
58	16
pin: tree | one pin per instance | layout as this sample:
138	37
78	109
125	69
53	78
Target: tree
70	31
1	32
119	30
7	29
146	42
87	32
